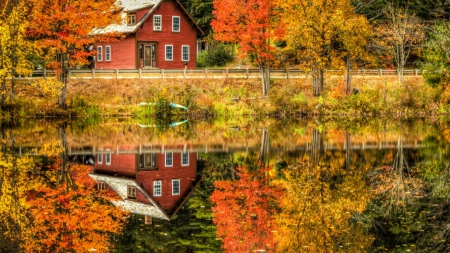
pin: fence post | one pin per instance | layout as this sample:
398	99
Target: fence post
247	72
184	73
45	73
206	73
287	73
381	72
416	72
162	73
140	73
226	72
93	73
117	73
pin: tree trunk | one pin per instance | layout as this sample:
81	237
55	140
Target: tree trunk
263	158
316	147
349	75
63	79
265	77
317	79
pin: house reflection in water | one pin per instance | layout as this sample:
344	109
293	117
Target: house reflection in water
152	181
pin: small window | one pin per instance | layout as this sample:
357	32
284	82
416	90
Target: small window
169	159
175	186
148	220
108	53
185	159
99	159
131	18
131	192
108	159
101	186
175	24
185	53
148	160
99	53
157	188
157	23
169	52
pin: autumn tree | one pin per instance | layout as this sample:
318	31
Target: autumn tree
244	211
399	34
437	55
323	34
63	30
14	46
251	24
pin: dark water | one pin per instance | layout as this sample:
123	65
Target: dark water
233	185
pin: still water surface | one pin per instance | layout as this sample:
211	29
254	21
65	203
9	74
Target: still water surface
257	185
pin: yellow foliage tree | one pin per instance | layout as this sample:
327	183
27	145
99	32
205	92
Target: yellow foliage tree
319	207
13	46
323	34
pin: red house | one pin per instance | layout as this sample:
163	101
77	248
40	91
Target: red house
149	182
158	34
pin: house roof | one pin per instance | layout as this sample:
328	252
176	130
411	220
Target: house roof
134	5
119	185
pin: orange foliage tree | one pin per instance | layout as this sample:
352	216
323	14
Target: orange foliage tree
70	216
63	31
244	211
251	24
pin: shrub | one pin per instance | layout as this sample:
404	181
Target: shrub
217	56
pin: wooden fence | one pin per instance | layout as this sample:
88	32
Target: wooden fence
208	73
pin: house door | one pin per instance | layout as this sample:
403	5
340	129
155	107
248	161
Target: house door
149	56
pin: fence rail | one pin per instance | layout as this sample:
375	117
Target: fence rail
207	73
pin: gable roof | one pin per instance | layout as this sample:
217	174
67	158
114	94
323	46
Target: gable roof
135	5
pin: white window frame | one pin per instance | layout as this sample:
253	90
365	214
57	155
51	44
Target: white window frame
101	186
165	53
171	159
173	23
100	159
182	53
108	53
131	18
131	192
187	158
99	53
156	27
108	159
173	188
157	188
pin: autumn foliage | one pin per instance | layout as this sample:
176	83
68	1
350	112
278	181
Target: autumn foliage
244	211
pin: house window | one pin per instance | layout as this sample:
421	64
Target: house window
157	188
131	192
148	160
148	220
185	159
108	159
99	158
108	53
169	159
157	23
99	53
175	186
175	24
101	186
169	52
131	18
185	53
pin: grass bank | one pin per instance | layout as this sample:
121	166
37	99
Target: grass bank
230	98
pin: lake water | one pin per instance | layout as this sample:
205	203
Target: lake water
225	185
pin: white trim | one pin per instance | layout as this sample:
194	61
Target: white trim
108	157
182	52
131	192
155	27
165	53
108	48
182	159
165	159
157	183
99	53
173	23
179	187
99	158
101	186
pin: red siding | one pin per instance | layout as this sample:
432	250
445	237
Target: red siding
123	164
187	36
123	54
